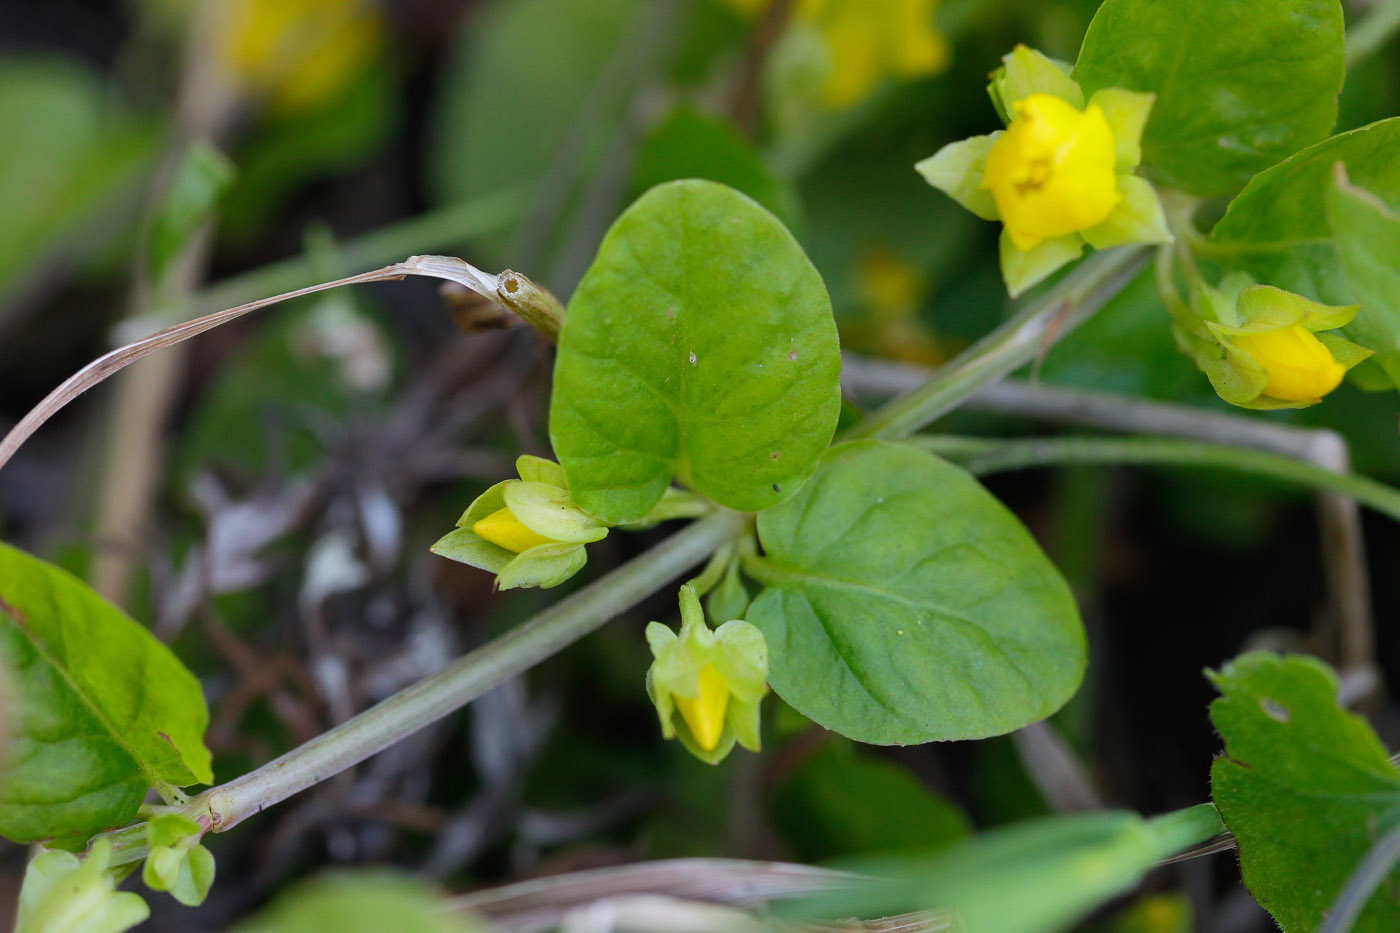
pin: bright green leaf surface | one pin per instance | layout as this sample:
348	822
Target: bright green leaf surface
1305	786
1034	877
1366	234
1240	84
905	604
201	178
1278	230
699	345
359	902
106	711
840	802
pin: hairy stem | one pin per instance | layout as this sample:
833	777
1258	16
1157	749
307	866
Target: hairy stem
467	678
1011	345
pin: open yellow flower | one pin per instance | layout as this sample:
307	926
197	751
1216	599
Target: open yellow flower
1299	367
1060	176
1052	172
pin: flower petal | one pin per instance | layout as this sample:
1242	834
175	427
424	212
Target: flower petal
1137	218
1127	113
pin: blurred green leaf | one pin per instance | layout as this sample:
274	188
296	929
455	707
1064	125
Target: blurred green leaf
359	902
201	178
106	711
1366	234
1305	786
1034	877
521	82
905	604
1240	85
840	802
64	894
700	346
1277	228
284	154
69	153
689	144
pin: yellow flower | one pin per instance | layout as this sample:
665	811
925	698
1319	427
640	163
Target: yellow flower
1052	173
860	42
1300	368
704	712
503	528
297	53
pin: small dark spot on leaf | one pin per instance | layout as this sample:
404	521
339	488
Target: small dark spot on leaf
164	736
775	455
792	355
775	488
1274	709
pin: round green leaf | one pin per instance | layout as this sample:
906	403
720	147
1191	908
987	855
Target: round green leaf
1240	84
700	345
1278	229
106	710
1305	786
905	604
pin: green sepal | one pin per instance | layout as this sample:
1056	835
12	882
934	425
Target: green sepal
539	470
550	511
957	171
730	598
1024	72
1263	308
1023	269
1127	113
176	862
1137	218
489	502
544	566
62	893
1344	351
1236	376
466	547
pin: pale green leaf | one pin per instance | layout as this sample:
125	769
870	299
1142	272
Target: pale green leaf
106	710
700	345
1305	787
904	604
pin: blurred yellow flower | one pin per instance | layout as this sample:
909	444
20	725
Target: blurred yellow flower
1052	172
1299	366
866	41
297	54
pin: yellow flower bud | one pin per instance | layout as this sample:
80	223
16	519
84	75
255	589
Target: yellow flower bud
704	712
1300	368
1052	173
501	527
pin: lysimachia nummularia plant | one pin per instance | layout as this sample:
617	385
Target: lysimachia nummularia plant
875	587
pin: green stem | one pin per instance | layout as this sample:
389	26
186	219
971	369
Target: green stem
1374	31
981	455
1011	345
1179	830
467	678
